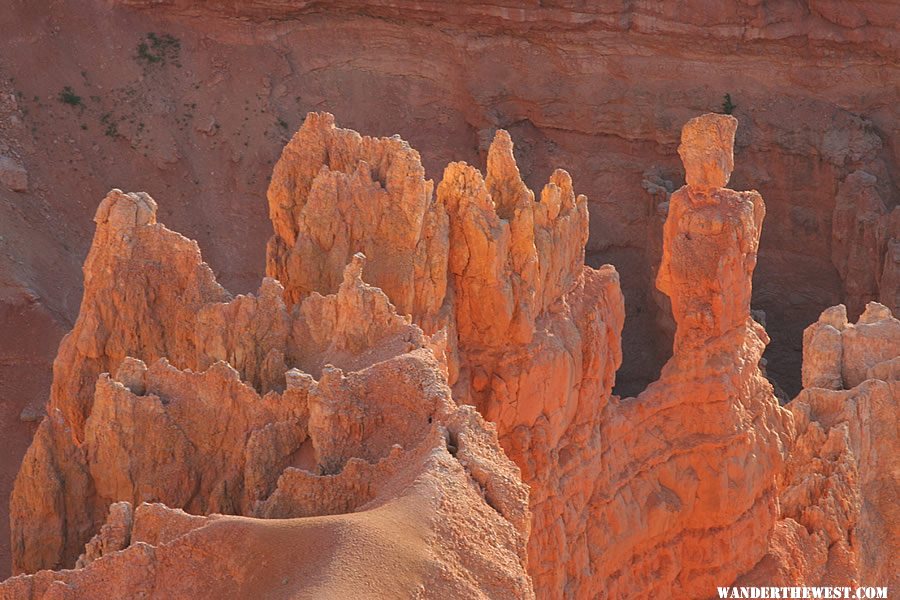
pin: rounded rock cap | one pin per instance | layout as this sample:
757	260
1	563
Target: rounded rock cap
707	150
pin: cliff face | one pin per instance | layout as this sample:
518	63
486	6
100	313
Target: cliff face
866	23
865	240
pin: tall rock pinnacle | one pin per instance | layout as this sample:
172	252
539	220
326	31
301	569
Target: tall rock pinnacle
427	375
710	237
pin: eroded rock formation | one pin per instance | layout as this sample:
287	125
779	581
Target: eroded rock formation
336	408
315	412
601	88
839	517
532	336
688	468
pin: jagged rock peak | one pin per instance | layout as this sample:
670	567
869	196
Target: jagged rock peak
839	355
248	406
123	211
335	193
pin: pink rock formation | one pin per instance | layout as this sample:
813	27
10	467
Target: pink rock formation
840	355
532	336
143	286
538	339
688	488
113	536
602	88
335	193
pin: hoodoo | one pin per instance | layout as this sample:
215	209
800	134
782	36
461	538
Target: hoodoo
419	402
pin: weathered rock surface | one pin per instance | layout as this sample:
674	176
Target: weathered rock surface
335	193
13	175
199	434
602	88
315	413
840	355
690	465
531	335
864	237
839	516
538	341
113	536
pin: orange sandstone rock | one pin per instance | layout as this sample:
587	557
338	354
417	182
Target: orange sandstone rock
531	335
688	491
839	517
339	387
840	355
335	193
707	150
319	416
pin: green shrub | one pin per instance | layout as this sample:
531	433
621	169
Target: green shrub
727	105
158	49
68	96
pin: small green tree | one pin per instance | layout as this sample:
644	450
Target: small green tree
68	96
727	105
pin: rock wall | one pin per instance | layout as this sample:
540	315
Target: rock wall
865	236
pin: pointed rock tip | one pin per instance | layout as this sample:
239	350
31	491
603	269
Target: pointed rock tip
297	379
270	288
561	178
132	373
500	154
322	120
502	138
875	312
836	316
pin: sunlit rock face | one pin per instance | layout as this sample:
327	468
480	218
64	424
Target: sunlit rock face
837	493
532	336
690	465
333	413
427	373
